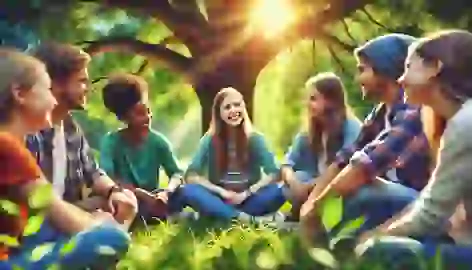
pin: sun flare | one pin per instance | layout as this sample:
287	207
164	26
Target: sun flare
272	16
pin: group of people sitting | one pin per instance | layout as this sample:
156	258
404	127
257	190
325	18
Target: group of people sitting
406	168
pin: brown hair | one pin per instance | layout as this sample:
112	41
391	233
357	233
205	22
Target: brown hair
219	131
62	60
16	69
330	86
452	49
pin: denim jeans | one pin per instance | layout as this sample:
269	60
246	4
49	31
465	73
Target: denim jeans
377	202
266	200
401	252
99	247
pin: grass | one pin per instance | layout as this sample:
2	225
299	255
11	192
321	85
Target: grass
205	246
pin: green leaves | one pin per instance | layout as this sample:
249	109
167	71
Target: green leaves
8	240
33	225
351	226
68	247
331	211
324	257
9	207
40	251
41	197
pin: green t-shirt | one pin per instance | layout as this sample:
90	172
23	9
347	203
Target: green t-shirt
260	159
138	165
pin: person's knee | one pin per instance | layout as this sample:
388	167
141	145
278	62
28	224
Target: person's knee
390	250
191	191
304	176
106	240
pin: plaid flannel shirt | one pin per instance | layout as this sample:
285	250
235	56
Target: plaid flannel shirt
403	145
82	168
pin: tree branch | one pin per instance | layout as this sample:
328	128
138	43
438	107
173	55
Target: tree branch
157	52
334	40
373	20
138	72
187	25
348	31
311	25
337	59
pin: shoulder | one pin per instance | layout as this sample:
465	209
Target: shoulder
111	137
158	138
17	162
352	124
257	137
205	140
459	127
301	138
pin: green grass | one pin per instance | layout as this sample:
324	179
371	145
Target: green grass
172	246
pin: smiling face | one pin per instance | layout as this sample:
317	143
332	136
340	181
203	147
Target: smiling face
416	80
72	92
232	109
372	85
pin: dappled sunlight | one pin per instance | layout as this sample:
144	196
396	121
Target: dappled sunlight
187	130
272	17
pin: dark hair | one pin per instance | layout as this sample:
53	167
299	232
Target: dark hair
17	69
330	86
220	139
61	60
122	92
452	48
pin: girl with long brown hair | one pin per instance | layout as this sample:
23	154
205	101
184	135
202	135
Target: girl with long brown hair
438	74
224	178
331	126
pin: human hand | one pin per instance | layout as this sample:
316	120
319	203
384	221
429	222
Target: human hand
123	205
228	195
100	217
163	196
239	198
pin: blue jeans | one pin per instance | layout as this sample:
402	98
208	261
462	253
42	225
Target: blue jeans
99	247
377	202
400	252
266	200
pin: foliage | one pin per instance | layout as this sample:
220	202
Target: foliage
279	91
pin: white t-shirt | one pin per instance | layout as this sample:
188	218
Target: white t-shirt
59	155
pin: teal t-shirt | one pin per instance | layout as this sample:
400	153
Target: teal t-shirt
260	159
138	165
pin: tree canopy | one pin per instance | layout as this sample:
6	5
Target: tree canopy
188	48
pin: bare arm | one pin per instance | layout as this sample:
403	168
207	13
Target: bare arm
62	215
193	178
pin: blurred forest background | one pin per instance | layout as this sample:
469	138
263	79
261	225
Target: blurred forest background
279	96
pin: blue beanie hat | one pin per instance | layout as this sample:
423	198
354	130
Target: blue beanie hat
386	54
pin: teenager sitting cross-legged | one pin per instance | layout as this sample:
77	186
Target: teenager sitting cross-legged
134	155
331	126
224	179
